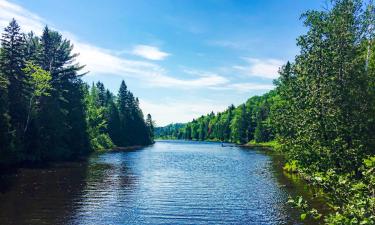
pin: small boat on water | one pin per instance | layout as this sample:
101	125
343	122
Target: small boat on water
227	145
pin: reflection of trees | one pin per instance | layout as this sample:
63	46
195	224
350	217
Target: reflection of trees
294	185
54	195
41	196
105	176
109	183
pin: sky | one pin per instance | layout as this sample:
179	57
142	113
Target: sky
182	58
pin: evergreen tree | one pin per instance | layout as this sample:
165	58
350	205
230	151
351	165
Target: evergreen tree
239	125
124	114
12	61
48	113
60	110
114	123
5	136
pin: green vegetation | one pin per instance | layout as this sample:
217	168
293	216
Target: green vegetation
168	132
249	121
322	112
271	144
115	121
46	111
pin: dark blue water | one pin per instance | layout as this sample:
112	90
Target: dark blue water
171	182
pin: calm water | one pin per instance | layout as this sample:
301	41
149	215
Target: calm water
171	182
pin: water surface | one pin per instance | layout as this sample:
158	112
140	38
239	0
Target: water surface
171	182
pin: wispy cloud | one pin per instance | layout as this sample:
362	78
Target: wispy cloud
103	61
29	21
149	52
238	44
264	68
212	80
247	87
226	44
182	110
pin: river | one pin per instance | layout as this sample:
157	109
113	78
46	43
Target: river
170	182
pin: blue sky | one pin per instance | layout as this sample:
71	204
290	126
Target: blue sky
182	58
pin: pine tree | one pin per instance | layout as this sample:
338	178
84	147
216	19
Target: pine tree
5	136
151	127
124	114
12	60
60	110
114	124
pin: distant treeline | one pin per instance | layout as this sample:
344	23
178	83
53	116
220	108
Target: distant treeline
48	113
249	121
170	131
322	112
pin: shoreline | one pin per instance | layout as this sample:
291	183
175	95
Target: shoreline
127	148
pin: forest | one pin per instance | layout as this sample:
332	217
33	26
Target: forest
47	113
321	113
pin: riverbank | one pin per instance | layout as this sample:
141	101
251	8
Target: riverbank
347	195
270	144
128	148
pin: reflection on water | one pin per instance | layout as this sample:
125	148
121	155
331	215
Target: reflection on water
41	196
171	182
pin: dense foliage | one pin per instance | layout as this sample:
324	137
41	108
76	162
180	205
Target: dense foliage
115	120
326	110
48	113
168	132
322	112
247	122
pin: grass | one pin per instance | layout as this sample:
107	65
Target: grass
270	144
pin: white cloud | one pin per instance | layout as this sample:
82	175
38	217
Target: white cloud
238	44
201	82
226	44
149	52
29	21
246	87
171	111
265	68
104	61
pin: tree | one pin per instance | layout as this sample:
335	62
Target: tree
150	125
97	121
47	113
11	63
40	86
123	103
239	125
5	136
62	112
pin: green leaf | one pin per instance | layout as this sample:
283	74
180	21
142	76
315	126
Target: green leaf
303	216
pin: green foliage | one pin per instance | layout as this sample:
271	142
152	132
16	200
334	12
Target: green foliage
324	116
170	131
12	61
96	121
133	129
236	124
47	113
291	166
302	205
39	79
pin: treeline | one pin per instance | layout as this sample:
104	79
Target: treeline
322	112
241	124
115	120
48	113
168	132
